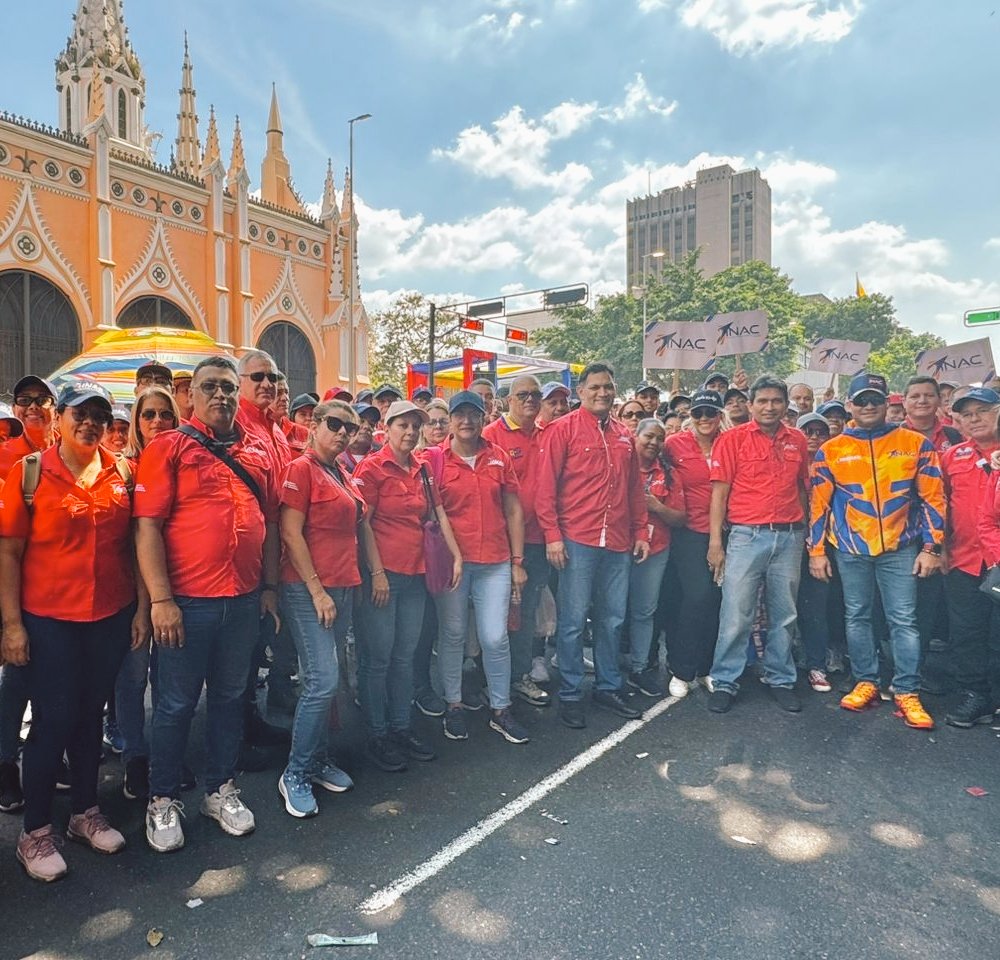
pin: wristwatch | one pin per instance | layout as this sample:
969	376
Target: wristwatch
932	548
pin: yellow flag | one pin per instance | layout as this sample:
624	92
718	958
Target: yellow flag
859	290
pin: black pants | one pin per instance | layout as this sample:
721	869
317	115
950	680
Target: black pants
692	643
71	675
425	649
975	635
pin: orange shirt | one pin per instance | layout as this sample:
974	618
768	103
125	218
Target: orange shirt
522	448
331	526
398	507
12	451
214	528
78	557
473	499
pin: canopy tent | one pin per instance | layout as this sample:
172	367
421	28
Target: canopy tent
455	373
113	358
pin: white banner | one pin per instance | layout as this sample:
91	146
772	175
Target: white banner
742	332
963	363
839	356
680	345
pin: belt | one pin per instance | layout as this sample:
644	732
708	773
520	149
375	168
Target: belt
776	527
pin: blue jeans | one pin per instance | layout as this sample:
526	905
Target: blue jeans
386	641
13	702
893	572
756	556
644	583
130	702
536	566
317	650
219	637
487	585
599	577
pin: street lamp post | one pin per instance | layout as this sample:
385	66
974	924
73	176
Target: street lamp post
352	345
655	255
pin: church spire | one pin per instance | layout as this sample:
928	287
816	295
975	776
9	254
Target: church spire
213	153
188	153
275	172
329	209
274	115
97	100
237	162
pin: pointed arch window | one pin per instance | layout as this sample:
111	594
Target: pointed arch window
69	109
122	115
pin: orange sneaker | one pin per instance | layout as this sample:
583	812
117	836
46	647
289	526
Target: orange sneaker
909	707
864	695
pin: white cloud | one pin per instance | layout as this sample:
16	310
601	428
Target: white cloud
751	26
797	176
992	244
638	101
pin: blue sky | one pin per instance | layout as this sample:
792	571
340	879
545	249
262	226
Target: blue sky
507	134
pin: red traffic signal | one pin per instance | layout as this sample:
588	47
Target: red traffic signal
472	325
517	335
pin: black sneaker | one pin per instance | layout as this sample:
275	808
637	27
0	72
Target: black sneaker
647	682
136	786
429	703
63	779
411	745
613	701
454	724
973	708
508	728
258	732
571	713
786	698
720	701
385	754
11	797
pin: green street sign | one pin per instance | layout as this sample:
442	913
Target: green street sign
978	318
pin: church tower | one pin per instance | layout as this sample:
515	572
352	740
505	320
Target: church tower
99	47
187	148
275	171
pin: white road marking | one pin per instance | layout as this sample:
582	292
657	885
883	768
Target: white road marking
388	895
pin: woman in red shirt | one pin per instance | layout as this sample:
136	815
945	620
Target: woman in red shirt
321	512
68	595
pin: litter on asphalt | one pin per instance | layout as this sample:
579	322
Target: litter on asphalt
196	902
976	791
324	940
553	841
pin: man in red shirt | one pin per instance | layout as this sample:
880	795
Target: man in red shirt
208	549
760	474
555	402
519	434
974	617
591	508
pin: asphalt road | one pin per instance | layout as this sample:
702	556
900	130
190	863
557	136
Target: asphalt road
756	835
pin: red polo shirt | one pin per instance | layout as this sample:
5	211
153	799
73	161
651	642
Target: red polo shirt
692	467
654	482
78	562
12	451
260	423
966	483
397	506
331	526
213	526
943	437
522	448
296	435
473	499
589	488
765	474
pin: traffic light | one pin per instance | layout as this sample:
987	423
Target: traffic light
517	335
472	325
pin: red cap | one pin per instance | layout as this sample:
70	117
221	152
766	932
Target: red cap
896	398
338	393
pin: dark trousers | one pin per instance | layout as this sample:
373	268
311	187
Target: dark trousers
425	650
692	643
71	675
13	703
814	623
522	641
975	635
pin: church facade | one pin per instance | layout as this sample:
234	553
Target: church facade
94	234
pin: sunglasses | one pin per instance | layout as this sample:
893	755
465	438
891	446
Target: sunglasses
260	376
335	425
154	414
816	433
869	401
525	395
633	415
441	424
211	387
704	413
101	417
26	401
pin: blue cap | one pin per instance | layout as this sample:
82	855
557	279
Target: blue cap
32	381
362	408
867	383
466	398
554	386
644	385
302	400
808	418
824	408
712	377
421	392
982	394
387	389
364	396
16	427
708	398
77	392
118	412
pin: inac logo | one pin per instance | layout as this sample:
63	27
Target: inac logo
735	329
675	341
946	363
834	353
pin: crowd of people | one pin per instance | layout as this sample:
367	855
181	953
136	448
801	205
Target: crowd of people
218	526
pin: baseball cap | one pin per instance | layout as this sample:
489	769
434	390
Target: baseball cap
7	413
421	392
554	386
152	368
644	385
364	396
118	412
713	378
982	394
791	408
367	410
895	398
399	407
679	398
824	408
32	381
483	382
73	394
385	390
466	398
338	393
302	400
808	418
735	392
708	398
867	383
949	383
182	375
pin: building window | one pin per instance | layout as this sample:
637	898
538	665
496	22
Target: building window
154	312
69	110
692	235
292	353
122	116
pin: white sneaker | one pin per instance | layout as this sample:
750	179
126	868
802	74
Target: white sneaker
231	813
163	824
679	688
539	671
588	664
706	682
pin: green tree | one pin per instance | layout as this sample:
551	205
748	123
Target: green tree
400	335
895	360
870	319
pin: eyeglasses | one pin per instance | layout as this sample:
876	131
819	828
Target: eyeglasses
154	414
703	413
633	415
95	415
335	425
26	401
869	401
260	376
525	395
824	434
211	387
441	424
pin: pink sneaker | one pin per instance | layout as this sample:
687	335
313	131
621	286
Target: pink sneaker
819	682
94	830
38	852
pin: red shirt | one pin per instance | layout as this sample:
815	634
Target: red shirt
331	526
966	482
12	451
473	499
654	482
260	423
397	506
78	559
296	435
692	467
522	448
943	437
589	488
766	475
214	527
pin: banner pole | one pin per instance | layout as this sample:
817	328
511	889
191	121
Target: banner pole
676	383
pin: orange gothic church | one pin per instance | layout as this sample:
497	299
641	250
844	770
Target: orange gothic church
95	235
